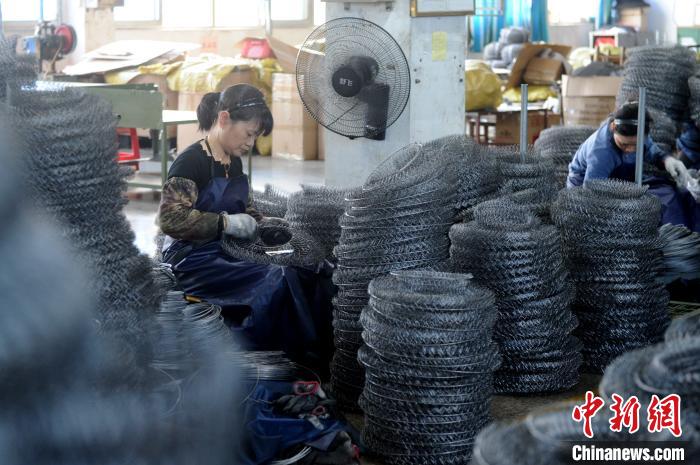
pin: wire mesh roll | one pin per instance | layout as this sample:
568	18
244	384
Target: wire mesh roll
429	361
664	71
270	202
509	251
664	130
559	144
610	237
275	244
694	102
681	252
398	220
685	326
658	370
316	210
71	168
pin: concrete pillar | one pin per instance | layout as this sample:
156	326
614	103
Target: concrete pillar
435	49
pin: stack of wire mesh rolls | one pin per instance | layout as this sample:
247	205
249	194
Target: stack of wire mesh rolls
611	243
271	202
399	219
316	210
559	144
529	180
664	71
429	360
512	253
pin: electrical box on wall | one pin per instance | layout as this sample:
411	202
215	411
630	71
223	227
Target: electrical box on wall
442	7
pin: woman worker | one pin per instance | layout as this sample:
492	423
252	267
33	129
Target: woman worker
610	152
206	196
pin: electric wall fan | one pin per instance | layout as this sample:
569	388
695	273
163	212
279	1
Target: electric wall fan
353	78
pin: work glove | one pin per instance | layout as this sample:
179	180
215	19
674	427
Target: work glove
675	167
241	226
273	221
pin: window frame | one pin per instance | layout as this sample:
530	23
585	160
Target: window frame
13	25
291	24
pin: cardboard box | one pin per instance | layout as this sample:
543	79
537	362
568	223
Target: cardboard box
588	100
508	127
543	71
187	134
636	18
295	134
286	54
528	53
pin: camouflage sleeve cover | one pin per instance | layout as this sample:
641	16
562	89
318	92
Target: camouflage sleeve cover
177	216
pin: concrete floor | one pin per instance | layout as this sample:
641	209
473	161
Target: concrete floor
286	175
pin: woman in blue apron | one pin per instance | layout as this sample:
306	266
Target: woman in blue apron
610	152
206	196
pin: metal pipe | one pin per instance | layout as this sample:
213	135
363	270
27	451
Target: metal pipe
523	122
641	122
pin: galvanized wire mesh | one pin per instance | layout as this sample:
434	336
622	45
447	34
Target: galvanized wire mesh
664	71
559	144
610	238
687	325
316	210
275	244
429	361
70	166
511	252
681	252
271	202
399	219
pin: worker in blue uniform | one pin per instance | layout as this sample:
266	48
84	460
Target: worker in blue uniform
207	196
610	152
688	145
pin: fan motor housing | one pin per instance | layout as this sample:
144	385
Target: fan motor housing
350	78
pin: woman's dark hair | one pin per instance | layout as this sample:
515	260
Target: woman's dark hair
625	119
243	102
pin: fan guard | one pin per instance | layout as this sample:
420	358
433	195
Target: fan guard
353	77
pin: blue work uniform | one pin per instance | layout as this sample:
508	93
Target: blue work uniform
270	307
689	144
600	158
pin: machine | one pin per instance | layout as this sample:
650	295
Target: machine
51	43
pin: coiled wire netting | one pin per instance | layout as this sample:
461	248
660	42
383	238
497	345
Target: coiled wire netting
275	243
694	102
63	395
664	71
660	370
559	144
271	202
70	166
610	236
681	252
429	361
399	219
664	130
509	251
687	325
546	438
316	211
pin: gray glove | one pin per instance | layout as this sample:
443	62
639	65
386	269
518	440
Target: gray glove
675	167
241	226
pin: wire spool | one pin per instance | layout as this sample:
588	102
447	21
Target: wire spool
398	220
508	250
316	210
429	361
664	71
610	238
271	202
559	144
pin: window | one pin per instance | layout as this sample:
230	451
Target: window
289	10
29	10
238	13
138	11
319	12
572	12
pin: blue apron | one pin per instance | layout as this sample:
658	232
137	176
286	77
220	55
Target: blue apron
674	204
270	307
